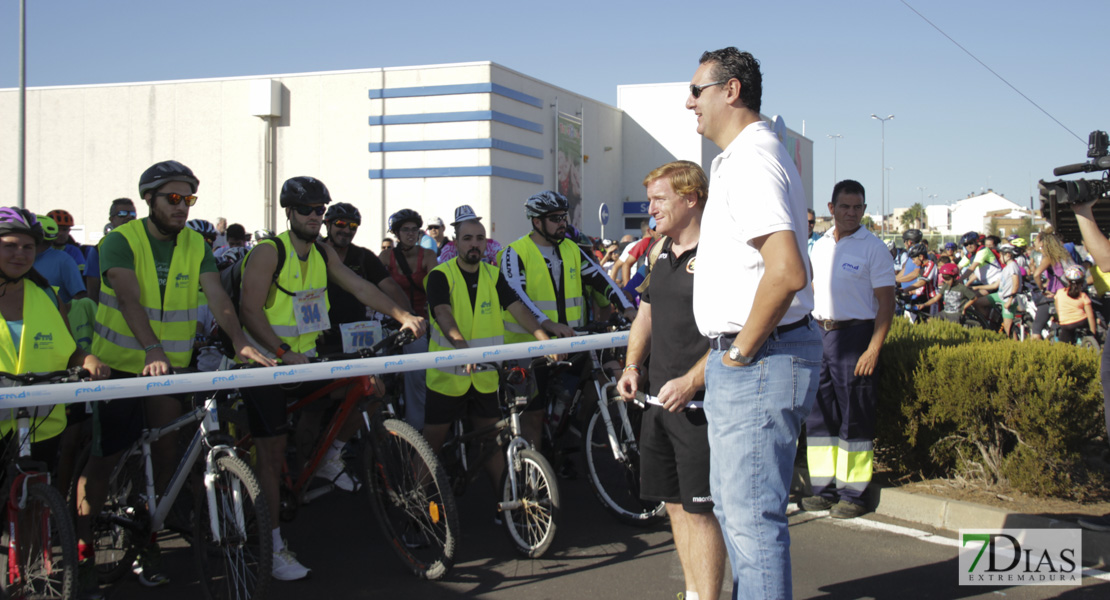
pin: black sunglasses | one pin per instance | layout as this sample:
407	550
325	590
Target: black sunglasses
695	90
556	218
304	210
175	199
126	213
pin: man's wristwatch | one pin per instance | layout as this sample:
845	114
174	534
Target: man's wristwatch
282	349
735	356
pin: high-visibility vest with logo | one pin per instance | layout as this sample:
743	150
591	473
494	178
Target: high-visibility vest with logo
541	288
44	345
279	309
480	324
172	318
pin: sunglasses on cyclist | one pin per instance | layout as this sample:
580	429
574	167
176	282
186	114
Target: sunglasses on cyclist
556	218
305	210
175	199
126	213
695	90
345	224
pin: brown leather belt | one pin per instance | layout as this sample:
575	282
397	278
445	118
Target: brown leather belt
831	325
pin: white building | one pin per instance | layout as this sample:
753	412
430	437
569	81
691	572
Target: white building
967	214
428	138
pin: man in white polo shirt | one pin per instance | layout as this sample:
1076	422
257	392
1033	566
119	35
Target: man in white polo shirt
853	302
752	299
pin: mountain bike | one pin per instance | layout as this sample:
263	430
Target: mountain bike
406	485
230	521
41	542
530	503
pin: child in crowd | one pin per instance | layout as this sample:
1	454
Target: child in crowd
1073	308
956	296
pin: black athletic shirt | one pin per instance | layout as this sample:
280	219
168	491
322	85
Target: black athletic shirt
345	307
676	343
439	290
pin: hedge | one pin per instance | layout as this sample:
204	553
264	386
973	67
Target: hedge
958	401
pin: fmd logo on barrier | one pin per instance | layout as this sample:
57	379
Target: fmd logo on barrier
1021	557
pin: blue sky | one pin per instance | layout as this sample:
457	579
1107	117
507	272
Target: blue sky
957	129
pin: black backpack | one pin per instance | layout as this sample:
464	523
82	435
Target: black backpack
231	279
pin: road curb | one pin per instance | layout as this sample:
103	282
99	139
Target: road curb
954	515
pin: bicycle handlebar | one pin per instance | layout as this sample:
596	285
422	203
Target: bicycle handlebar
395	339
70	375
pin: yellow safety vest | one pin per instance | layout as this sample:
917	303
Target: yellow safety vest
541	288
172	318
480	325
279	305
45	345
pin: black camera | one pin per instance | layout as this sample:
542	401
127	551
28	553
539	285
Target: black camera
1058	196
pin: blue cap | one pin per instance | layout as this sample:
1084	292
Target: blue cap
651	223
950	246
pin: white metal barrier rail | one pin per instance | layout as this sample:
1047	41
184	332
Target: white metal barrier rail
89	391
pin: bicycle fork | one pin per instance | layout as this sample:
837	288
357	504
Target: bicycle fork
512	463
603	407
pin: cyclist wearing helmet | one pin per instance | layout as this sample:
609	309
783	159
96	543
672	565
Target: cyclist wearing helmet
1008	286
154	270
342	222
121	211
284	310
56	266
1020	244
64	242
552	273
236	236
953	294
205	228
982	265
910	238
1073	306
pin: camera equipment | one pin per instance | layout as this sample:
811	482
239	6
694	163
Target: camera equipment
1058	196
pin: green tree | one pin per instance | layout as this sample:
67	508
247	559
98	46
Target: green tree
868	223
1025	229
914	217
992	227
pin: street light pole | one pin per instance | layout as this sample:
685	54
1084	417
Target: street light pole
834	137
922	189
883	182
889	199
21	176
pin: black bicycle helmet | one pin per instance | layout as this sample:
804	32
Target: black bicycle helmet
230	257
912	235
545	203
263	234
164	172
20	220
405	215
918	250
303	191
343	210
205	228
971	237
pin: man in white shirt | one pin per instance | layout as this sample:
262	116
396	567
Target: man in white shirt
752	299
853	302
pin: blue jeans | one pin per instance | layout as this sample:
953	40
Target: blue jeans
755	414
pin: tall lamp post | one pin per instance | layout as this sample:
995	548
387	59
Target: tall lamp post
890	199
834	137
883	120
922	189
21	176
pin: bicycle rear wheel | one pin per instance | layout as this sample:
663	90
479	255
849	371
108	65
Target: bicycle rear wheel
411	498
616	483
238	564
114	542
531	525
45	548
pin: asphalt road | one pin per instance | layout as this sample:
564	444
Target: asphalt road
593	556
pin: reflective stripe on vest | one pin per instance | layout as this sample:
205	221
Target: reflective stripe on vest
481	327
173	319
280	314
541	289
45	345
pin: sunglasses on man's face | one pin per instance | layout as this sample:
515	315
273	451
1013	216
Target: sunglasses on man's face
305	210
556	218
345	224
175	199
126	213
436	227
695	90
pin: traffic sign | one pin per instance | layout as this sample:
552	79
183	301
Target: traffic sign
603	214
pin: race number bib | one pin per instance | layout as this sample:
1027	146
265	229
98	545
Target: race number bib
311	309
359	335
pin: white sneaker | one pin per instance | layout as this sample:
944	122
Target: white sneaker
334	470
287	568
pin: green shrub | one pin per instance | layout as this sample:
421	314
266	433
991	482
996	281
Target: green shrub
957	400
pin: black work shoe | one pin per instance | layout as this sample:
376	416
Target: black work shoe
816	503
847	510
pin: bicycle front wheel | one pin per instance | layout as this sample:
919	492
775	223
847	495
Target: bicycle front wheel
122	520
411	498
616	483
232	541
45	548
530	521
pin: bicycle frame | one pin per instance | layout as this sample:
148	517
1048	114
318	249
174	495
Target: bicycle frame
158	511
17	495
596	375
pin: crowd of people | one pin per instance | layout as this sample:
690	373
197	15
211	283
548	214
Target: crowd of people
736	307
